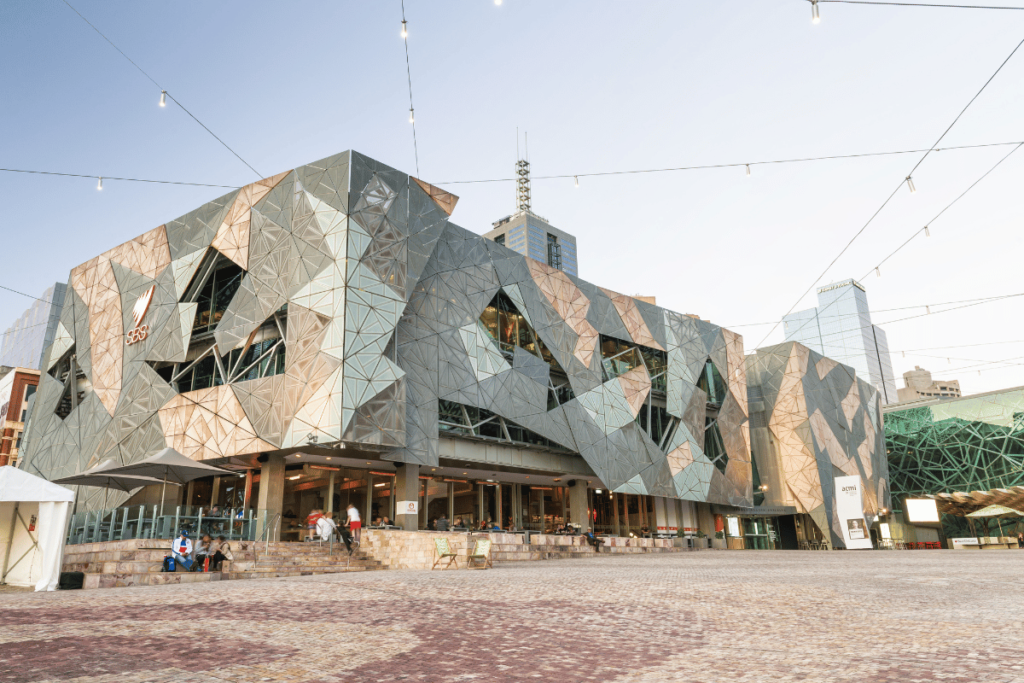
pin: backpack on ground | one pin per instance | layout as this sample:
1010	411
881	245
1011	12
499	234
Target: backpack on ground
168	564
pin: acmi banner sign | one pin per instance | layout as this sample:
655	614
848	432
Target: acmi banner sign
140	331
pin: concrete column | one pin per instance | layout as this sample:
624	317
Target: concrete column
215	493
330	493
543	523
271	496
188	494
369	500
451	503
578	508
407	488
615	509
248	490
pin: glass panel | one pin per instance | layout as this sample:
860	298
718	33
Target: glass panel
466	504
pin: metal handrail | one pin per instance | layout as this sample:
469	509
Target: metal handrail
276	519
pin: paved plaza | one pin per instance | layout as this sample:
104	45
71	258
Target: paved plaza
709	616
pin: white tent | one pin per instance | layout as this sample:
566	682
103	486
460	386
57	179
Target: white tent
33	521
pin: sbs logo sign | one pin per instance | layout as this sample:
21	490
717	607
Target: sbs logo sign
140	331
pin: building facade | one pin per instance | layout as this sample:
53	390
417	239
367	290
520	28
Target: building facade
329	332
24	341
17	386
526	233
920	385
841	328
964	445
813	420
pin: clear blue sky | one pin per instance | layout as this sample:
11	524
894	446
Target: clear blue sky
600	86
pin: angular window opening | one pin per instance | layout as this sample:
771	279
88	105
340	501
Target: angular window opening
76	385
619	357
263	355
509	328
500	239
213	286
656	422
456	419
558	394
758	493
714	448
712	384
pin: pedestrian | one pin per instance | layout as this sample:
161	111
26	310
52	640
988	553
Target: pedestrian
354	523
202	551
1020	540
181	550
593	540
221	553
311	519
442	523
325	527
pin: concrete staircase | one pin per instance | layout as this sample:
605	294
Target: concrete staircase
138	562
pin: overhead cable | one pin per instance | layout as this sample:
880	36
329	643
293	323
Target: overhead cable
726	165
919	4
907	180
110	177
163	90
408	73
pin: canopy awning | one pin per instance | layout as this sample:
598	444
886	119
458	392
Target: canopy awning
963	503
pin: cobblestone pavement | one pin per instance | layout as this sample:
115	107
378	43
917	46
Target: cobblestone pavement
953	616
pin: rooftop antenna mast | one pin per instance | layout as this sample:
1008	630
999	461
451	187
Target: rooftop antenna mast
523	171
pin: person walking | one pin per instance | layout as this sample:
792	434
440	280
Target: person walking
354	523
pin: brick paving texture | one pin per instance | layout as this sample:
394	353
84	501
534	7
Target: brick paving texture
952	616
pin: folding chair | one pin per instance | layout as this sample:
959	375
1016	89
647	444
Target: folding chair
482	553
444	550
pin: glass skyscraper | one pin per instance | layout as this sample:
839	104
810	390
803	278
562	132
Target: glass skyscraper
841	328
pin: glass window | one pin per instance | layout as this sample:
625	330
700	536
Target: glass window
216	294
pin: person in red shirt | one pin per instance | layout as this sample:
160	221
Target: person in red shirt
311	519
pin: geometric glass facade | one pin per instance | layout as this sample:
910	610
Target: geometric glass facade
959	445
840	328
336	304
812	420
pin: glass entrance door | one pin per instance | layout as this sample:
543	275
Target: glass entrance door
759	533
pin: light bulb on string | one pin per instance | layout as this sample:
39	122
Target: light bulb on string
497	2
163	98
99	185
904	353
928	310
927	232
412	117
910	184
878	273
576	179
815	13
748	170
405	29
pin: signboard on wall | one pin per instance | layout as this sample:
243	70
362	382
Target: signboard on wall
921	511
407	507
850	511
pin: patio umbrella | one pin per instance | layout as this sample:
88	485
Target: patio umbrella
102	477
997	511
172	467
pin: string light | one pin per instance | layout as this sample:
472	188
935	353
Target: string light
928	310
405	29
575	178
927	232
910	184
163	98
412	117
497	2
815	13
748	170
878	273
99	185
